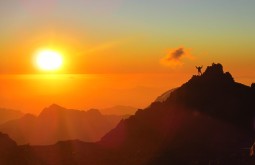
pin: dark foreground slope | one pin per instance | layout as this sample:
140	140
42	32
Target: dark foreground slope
9	151
208	120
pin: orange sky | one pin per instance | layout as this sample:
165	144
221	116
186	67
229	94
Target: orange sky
31	93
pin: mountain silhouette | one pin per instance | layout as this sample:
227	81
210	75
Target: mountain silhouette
216	94
9	114
9	152
165	95
56	123
208	120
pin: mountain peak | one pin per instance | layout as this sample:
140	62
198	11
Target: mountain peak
206	117
213	75
94	112
55	106
216	71
52	109
217	94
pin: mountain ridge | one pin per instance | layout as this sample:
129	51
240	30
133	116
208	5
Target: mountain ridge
208	120
9	114
213	111
56	123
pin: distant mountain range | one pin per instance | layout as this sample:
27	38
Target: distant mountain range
56	123
208	120
9	114
165	95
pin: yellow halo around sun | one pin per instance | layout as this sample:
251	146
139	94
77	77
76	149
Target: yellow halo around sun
49	60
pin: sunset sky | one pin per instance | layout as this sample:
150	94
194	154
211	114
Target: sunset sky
118	52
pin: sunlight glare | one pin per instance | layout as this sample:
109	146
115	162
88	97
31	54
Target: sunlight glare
49	60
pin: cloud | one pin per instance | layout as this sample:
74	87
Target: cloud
175	57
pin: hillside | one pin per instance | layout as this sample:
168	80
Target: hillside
56	123
9	114
208	120
9	152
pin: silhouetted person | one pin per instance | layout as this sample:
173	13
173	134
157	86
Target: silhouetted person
199	69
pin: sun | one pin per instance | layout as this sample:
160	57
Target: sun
49	60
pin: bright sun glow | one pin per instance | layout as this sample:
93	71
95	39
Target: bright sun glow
49	60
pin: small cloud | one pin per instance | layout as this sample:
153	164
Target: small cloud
175	57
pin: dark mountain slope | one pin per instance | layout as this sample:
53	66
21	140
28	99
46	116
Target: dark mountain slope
9	152
209	118
216	94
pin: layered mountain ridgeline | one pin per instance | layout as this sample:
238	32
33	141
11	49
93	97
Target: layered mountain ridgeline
208	120
56	123
9	114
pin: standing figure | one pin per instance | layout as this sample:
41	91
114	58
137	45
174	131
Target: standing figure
199	70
